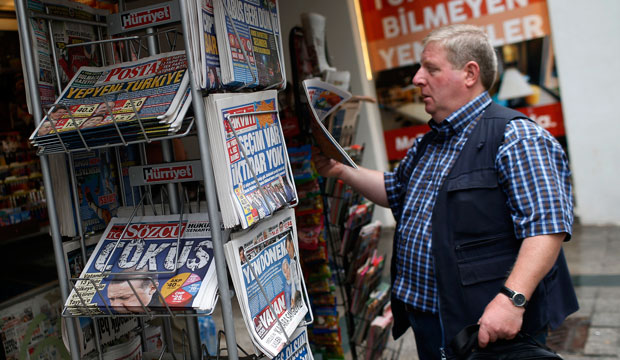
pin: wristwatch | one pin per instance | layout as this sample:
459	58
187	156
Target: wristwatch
517	298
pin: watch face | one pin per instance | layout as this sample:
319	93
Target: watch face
519	299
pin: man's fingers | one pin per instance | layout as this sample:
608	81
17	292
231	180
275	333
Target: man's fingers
483	338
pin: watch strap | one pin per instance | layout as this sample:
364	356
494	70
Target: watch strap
513	296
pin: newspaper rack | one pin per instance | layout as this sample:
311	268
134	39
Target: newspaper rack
118	141
224	298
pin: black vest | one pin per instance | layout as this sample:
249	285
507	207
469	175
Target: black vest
474	245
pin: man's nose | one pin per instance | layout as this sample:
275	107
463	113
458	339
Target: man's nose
418	79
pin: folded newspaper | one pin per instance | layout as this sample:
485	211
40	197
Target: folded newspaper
298	348
206	69
324	99
144	98
264	266
249	156
250	43
137	267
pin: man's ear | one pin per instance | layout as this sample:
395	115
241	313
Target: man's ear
472	73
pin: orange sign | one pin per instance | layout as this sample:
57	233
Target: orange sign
395	28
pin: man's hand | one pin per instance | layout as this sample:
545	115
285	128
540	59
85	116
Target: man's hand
325	166
500	320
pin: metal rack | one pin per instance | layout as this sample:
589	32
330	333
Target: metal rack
196	351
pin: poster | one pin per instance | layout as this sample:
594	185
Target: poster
518	29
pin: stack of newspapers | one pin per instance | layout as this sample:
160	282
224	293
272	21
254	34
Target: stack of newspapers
121	103
264	266
151	264
254	176
237	44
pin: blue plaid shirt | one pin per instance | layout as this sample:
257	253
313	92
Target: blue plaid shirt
532	170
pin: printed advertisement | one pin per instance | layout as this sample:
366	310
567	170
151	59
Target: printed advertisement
519	30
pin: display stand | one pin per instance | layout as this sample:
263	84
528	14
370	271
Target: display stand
209	182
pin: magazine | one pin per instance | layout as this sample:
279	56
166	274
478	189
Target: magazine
134	268
250	43
101	101
259	156
264	265
324	99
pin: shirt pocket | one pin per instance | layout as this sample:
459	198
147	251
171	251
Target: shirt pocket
486	259
477	205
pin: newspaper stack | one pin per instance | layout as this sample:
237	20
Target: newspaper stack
323	99
264	266
250	43
206	69
254	176
123	102
137	268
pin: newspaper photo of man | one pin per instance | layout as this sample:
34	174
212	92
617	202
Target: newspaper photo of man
288	287
293	266
123	299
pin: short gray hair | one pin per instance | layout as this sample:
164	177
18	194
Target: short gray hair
464	43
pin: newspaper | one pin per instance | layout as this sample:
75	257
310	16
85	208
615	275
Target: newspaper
99	98
206	69
268	281
39	34
70	59
250	43
130	350
324	99
298	348
29	324
133	268
259	155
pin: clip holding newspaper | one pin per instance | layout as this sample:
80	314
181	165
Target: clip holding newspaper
324	99
264	265
133	269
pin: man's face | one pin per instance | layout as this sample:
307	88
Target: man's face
123	299
286	271
290	248
442	86
58	114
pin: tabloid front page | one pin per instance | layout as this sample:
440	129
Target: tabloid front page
148	245
260	136
248	35
153	87
268	256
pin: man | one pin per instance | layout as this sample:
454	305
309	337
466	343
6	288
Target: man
123	299
482	202
295	280
288	285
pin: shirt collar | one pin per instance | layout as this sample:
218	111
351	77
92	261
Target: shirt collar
458	120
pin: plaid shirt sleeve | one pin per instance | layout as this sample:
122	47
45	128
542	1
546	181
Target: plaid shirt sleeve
396	182
534	173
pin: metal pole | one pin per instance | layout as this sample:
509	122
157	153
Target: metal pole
193	331
212	205
31	70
